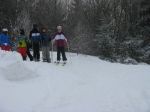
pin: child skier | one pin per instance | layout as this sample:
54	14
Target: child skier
45	45
5	42
60	41
21	44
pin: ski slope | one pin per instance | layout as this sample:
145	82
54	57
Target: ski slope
85	84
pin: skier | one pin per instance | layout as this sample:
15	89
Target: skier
35	37
5	42
21	44
45	45
60	41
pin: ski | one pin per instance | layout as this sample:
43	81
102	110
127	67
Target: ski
63	64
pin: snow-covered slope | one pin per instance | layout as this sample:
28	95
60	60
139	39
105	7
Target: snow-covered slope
85	84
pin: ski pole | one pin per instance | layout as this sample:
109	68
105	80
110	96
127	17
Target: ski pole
33	50
52	51
69	51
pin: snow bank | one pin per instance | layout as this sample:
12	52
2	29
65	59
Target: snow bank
12	67
6	56
18	72
85	84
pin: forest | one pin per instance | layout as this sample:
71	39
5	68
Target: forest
113	30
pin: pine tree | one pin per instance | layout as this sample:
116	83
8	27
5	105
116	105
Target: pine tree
48	13
8	13
145	12
74	24
75	14
145	21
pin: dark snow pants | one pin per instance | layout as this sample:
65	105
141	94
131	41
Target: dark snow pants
36	51
61	50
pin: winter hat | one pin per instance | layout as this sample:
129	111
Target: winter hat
22	32
5	30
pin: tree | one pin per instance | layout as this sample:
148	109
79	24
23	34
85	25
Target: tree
8	13
78	28
48	13
145	17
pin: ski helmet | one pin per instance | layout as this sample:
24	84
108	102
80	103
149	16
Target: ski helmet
5	30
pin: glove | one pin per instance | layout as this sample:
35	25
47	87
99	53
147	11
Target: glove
5	44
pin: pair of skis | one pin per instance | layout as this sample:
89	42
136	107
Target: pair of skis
60	63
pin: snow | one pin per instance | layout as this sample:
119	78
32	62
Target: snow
85	84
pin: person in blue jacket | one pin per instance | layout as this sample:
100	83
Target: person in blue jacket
5	42
46	40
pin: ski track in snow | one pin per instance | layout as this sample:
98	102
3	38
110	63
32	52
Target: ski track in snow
84	84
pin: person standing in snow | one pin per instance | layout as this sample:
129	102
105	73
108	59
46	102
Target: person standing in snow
61	42
21	44
35	37
5	42
45	45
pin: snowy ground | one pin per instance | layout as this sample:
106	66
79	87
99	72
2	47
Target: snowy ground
85	84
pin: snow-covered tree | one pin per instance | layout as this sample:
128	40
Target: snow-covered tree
8	13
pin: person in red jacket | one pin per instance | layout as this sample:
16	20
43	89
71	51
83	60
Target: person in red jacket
61	42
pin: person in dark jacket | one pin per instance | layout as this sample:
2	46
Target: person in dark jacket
45	45
35	37
5	42
61	42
